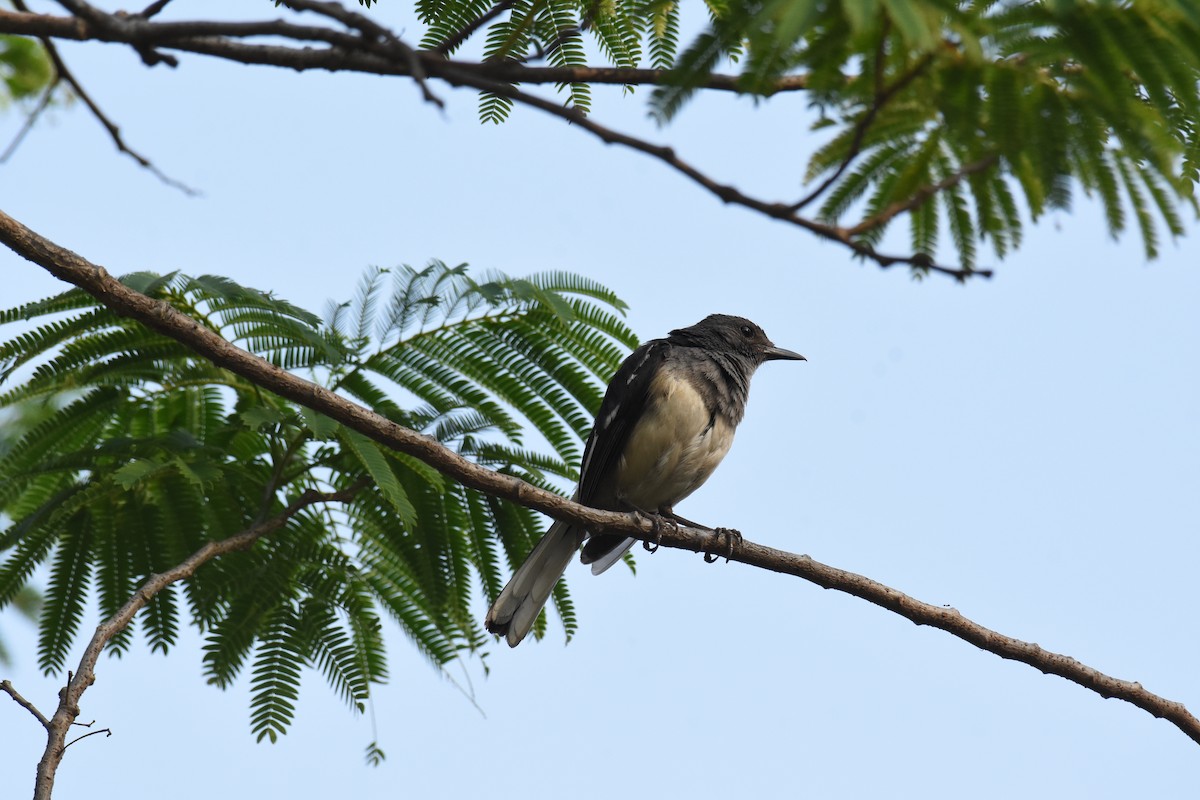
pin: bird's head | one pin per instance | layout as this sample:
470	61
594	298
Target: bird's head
736	335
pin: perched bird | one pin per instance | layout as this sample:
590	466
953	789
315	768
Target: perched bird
666	421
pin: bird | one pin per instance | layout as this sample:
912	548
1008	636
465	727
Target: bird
666	422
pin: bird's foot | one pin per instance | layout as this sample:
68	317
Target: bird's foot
657	523
730	536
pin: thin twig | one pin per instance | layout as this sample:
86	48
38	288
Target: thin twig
374	33
114	132
726	192
339	13
153	9
561	37
162	317
7	688
86	735
64	74
922	194
456	39
882	97
31	120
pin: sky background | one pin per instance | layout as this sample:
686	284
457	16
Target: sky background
1025	449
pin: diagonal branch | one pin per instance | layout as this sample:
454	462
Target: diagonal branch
922	194
64	74
456	39
31	119
726	192
153	9
542	52
161	317
375	37
882	97
85	675
7	688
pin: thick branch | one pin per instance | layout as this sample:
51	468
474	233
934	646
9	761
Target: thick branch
85	675
163	318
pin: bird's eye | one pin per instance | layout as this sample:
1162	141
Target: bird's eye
747	331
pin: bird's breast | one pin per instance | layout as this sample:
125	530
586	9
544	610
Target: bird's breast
674	446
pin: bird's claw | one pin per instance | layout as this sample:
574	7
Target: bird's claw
657	521
652	546
730	536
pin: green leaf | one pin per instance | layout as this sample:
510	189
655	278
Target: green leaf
322	427
374	755
257	417
377	466
919	28
25	68
132	473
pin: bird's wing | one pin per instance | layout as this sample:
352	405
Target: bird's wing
619	412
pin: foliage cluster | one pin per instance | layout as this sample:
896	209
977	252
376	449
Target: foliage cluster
964	117
951	113
25	69
147	451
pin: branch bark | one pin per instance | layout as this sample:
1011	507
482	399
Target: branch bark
160	316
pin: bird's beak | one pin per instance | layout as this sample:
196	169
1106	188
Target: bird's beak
774	353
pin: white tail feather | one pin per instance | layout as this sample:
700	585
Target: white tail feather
613	556
517	607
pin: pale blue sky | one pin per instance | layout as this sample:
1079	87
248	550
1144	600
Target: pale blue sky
1026	450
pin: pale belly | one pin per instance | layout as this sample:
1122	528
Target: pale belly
672	450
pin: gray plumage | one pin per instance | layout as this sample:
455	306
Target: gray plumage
667	419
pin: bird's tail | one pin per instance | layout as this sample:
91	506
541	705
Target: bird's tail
513	613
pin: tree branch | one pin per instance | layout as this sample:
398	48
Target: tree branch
882	97
551	47
456	39
153	9
197	36
375	36
373	49
31	120
924	193
726	192
118	22
161	317
7	688
85	675
64	74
